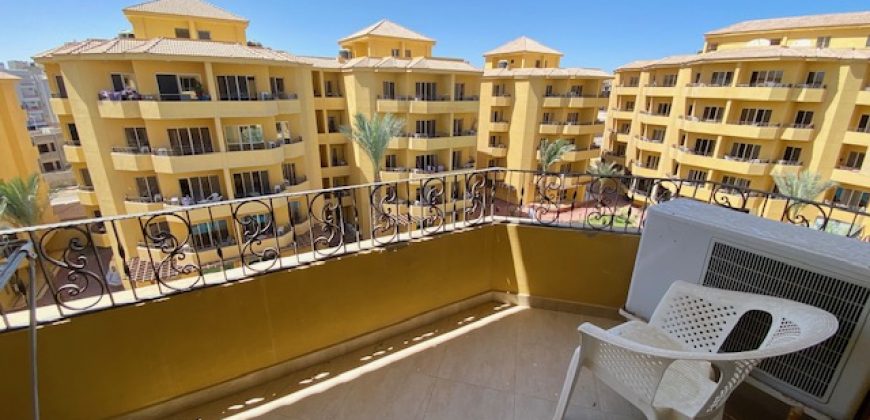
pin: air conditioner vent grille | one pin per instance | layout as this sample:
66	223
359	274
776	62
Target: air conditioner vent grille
812	370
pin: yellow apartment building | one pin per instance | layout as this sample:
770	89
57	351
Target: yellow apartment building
19	156
526	97
762	97
183	111
387	68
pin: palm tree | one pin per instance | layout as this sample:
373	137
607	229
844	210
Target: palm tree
373	135
602	168
23	206
551	152
804	185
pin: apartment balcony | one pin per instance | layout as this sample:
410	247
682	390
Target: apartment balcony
136	205
579	155
625	90
170	161
639	169
622	114
464	309
119	109
443	106
622	137
442	141
727	163
660	90
87	196
863	97
297	184
330	103
575	101
797	133
151	107
331	138
74	152
655	119
854	137
550	127
499	126
650	145
581	128
784	167
736	129
497	151
338	168
398	143
132	159
852	176
60	106
394	174
293	147
392	106
504	100
757	93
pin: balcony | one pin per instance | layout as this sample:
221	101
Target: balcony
785	167
132	159
171	161
153	107
60	106
448	313
136	205
296	184
759	93
441	141
571	128
800	132
575	101
119	109
647	117
338	168
244	156
499	126
727	163
503	100
331	138
330	102
760	131
660	91
639	169
87	196
394	174
622	114
857	137
579	155
74	152
863	97
626	90
439	105
650	145
852	176
293	147
497	151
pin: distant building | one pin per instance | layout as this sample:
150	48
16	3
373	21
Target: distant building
33	93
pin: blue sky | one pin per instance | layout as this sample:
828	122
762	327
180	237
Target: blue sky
590	33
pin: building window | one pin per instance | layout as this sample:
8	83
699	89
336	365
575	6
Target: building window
61	87
704	147
744	151
712	47
697	175
237	88
633	81
851	198
663	108
389	90
426	91
766	78
395	52
624	128
803	119
815	79
776	41
864	124
658	134
73	134
669	80
289	172
499	90
652	162
537	64
425	128
753	116
457	126
43	148
573	118
391	161
276	84
198	189
792	154
182	33
122	82
548	91
458	91
137	139
721	78
244	137
407	53
713	113
211	234
148	189
205	35
86	178
854	160
823	42
251	184
190	141
735	181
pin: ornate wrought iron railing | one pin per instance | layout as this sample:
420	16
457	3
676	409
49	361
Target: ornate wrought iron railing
94	264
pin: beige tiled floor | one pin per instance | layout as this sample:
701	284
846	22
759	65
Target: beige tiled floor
493	362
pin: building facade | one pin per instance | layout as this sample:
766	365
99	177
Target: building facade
763	97
33	93
527	98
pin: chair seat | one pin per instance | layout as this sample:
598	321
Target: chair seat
686	385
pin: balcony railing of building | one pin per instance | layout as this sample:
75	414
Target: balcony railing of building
576	95
862	129
133	95
79	276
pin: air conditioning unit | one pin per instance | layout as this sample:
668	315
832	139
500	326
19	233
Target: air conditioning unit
719	247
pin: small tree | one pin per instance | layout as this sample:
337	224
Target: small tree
804	185
23	206
602	168
373	136
551	152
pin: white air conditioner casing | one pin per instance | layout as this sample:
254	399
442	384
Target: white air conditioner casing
719	247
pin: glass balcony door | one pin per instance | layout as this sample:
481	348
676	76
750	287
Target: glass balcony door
244	137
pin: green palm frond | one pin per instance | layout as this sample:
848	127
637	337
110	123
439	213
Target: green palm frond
602	168
551	152
23	206
804	185
373	136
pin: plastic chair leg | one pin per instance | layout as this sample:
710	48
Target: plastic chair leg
568	387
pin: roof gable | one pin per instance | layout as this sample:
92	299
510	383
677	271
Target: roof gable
522	44
387	28
196	8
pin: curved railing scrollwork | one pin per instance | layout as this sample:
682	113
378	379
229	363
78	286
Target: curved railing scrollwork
75	277
256	220
169	256
475	191
431	217
327	229
385	213
604	193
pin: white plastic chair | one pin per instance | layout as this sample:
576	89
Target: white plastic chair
671	367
